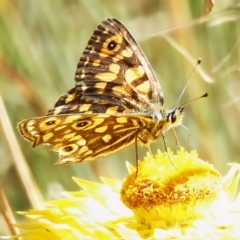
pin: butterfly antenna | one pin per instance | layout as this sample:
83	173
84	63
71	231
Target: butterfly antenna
198	62
203	96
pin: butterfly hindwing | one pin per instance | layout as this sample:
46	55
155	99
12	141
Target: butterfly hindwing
82	137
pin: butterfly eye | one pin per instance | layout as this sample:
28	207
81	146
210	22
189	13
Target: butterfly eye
173	118
112	45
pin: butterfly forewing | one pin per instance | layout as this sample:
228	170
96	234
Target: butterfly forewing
112	75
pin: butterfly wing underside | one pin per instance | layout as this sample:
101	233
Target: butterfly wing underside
113	80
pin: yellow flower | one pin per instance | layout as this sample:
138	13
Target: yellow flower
164	195
188	201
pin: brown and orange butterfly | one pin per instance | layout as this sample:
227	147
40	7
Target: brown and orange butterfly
117	101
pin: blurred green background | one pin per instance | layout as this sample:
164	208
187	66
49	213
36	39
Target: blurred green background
41	42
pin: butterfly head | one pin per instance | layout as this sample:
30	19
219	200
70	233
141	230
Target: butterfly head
174	116
168	118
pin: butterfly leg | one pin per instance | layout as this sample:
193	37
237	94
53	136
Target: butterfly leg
189	134
136	151
149	149
176	138
137	137
165	145
144	142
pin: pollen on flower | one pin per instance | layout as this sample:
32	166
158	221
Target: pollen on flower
162	195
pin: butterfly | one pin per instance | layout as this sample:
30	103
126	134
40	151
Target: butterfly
117	101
